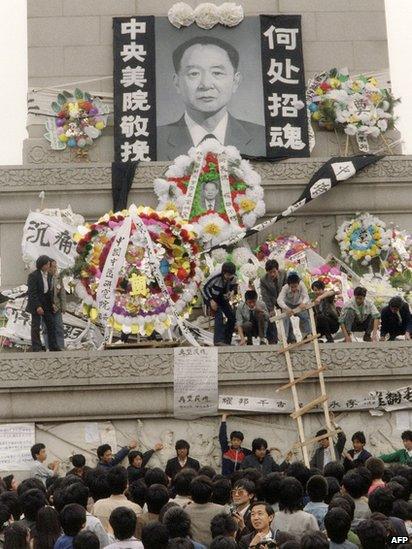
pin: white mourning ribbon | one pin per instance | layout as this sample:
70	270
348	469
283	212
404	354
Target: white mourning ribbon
191	189
226	194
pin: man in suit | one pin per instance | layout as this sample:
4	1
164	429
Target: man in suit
211	198
40	304
322	454
206	77
181	461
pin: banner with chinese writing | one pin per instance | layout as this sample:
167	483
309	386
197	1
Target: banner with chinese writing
48	235
16	441
242	85
195	382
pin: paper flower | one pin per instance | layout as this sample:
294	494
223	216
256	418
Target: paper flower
206	15
230	14
181	15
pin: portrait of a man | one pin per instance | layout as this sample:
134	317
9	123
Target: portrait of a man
206	77
211	197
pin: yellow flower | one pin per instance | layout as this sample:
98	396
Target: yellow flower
353	119
212	229
376	97
149	328
334	82
247	204
319	91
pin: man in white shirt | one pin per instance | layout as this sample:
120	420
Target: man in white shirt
292	300
40	470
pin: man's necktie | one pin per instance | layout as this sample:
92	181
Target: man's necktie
208	136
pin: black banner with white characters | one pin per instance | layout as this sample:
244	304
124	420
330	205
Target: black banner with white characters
284	86
134	88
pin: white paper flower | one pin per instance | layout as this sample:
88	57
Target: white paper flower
219	255
249	219
241	255
248	271
181	15
206	15
351	129
211	227
230	14
382	125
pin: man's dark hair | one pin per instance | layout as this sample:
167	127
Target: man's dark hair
47	529
359	436
86	539
166	508
156	496
30	503
15	536
177	522
36	449
223	525
334	469
236	434
96	480
117	480
181	482
208	471
133	454
78	460
232	53
252	474
156	476
293	278
11	501
180	543
381	501
359	290
404	482
221	491
271	264
372	534
250	294
317	488
333	488
300	472
258	443
402	509
345	502
5	516
268	508
376	467
201	489
155	536
407	435
223	542
72	519
337	523
41	261
321	432
268	488
76	493
246	484
228	268
102	449
355	484
123	521
318	285
182	444
314	540
136	492
290	495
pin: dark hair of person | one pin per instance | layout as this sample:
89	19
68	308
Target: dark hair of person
156	476
221	491
372	534
236	434
355	484
381	501
268	488
345	502
180	543
155	536
376	467
156	496
333	488
314	540
136	492
228	268
201	489
318	285
359	290
271	264
181	482
365	474
5	516
246	484
166	508
402	509
321	432
290	544
407	435
177	522
78	460
207	471
290	495
258	443
76	493
86	539
11	501
132	455
41	261
251	294
223	542
72	518
268	508
300	472
399	479
359	436
102	449
123	522
397	489
134	474
31	502
96	480
334	469
117	480
293	278
36	449
337	523
252	474
47	528
8	481
317	488
15	537
223	525
232	52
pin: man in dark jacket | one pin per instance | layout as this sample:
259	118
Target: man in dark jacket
40	304
326	315
232	453
270	286
138	461
322	454
357	455
181	461
261	459
106	458
396	319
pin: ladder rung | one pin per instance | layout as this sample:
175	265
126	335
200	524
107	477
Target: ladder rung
298	343
316	439
309	406
281	316
311	373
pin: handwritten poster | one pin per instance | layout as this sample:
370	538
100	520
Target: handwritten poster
195	382
16	441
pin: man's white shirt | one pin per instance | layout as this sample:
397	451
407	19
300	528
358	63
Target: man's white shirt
198	133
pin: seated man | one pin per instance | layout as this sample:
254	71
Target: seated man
403	456
326	315
251	319
396	319
360	315
292	300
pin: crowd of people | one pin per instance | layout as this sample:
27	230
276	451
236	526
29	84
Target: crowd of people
349	502
286	293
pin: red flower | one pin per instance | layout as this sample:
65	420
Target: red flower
325	86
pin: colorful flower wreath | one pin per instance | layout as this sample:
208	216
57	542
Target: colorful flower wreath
286	248
363	239
140	307
244	197
79	120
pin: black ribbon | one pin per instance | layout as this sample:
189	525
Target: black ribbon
122	180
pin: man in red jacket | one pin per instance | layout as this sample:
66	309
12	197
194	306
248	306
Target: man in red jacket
232	452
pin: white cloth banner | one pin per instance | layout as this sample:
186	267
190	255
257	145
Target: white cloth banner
16	441
195	382
114	262
226	193
48	235
254	404
191	188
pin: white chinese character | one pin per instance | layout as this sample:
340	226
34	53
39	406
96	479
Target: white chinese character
133	76
134	126
276	69
276	137
288	102
133	51
286	37
133	28
135	101
138	149
275	102
293	137
320	187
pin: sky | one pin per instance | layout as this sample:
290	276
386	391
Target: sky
13	73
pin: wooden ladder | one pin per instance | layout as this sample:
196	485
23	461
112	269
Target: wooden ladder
322	399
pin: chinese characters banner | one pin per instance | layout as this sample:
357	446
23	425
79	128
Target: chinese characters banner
284	86
134	88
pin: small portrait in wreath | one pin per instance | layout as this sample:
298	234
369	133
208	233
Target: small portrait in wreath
211	197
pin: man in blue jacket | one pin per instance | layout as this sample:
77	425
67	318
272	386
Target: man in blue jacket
232	452
106	458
